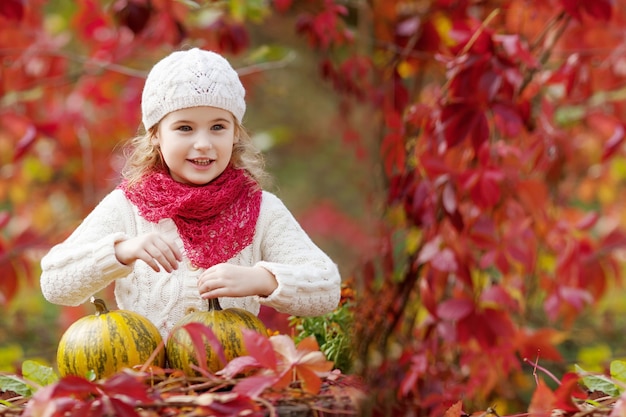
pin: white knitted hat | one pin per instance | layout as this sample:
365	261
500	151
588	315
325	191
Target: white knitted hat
191	78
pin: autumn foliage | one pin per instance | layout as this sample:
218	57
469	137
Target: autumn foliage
498	128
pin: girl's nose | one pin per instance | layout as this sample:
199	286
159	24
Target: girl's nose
203	141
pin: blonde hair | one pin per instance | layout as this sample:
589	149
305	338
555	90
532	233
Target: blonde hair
143	157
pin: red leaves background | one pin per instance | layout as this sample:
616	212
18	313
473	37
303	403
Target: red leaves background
487	160
498	128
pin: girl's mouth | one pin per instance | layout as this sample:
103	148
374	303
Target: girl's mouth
201	162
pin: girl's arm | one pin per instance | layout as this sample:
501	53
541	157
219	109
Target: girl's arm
309	283
85	262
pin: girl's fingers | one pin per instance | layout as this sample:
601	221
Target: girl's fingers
151	262
165	254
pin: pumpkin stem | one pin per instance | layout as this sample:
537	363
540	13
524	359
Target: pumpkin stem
214	304
101	307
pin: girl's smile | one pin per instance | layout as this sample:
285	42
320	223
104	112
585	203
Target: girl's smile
196	143
201	162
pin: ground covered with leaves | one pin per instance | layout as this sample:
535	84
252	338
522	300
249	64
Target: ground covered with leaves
278	377
131	393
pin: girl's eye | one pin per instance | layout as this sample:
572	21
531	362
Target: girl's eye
184	128
217	127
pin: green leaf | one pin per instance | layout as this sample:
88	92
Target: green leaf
15	384
269	53
598	382
39	373
618	370
253	10
332	332
91	375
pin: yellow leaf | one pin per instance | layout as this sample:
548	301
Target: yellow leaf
594	358
443	25
406	69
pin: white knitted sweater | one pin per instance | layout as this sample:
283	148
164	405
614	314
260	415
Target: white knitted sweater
85	263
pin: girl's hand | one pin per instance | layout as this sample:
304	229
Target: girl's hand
151	248
227	280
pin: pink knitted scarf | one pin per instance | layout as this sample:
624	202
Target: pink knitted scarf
215	221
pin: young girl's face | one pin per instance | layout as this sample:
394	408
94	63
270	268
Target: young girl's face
196	143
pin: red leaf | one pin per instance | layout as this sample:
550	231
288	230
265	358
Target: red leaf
568	390
477	34
421	204
282	5
448	198
196	331
499	322
434	165
461	121
305	359
455	309
444	261
427	295
5	216
542	401
22	129
487	192
393	121
232	37
429	250
598	9
614	240
134	15
311	382
541	343
576	297
507	119
418	115
121	408
75	386
260	348
483	232
588	221
308	344
238	366
496	295
455	410
401	97
126	384
567	74
552	306
12	9
515	49
522	250
533	194
90	19
46	403
393	151
614	143
419	365
9	281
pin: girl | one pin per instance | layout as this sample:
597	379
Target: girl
189	220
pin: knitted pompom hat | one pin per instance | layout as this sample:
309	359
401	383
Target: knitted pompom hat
191	78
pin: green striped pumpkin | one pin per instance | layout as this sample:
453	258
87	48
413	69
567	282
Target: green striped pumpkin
107	341
227	325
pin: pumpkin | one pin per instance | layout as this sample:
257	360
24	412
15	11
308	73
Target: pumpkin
107	341
227	325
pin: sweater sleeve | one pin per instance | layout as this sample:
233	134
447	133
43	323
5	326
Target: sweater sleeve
85	262
309	283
